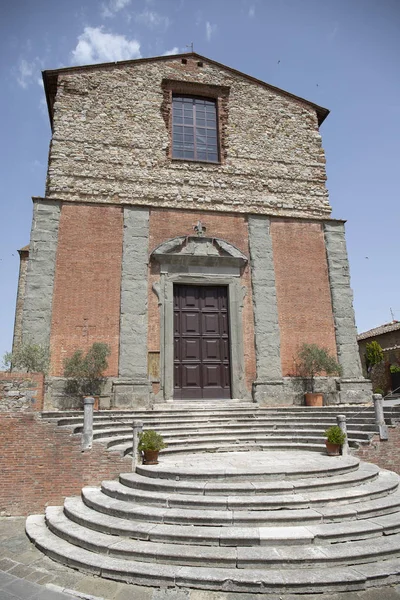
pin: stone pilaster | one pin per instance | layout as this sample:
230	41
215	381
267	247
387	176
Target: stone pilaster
132	387
353	386
37	310
268	388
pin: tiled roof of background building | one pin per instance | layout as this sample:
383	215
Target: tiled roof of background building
386	328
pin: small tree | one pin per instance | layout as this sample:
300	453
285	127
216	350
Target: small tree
85	372
34	358
373	355
312	360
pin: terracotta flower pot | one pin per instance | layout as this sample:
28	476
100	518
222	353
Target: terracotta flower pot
313	399
332	449
150	457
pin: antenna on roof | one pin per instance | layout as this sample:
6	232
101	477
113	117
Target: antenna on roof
190	46
391	312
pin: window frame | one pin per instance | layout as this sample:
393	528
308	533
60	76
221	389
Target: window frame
195	127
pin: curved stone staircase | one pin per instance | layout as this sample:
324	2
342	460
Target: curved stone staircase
227	426
259	522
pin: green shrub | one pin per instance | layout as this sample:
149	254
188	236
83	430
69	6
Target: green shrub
373	355
395	368
151	440
85	372
335	435
379	391
312	360
34	358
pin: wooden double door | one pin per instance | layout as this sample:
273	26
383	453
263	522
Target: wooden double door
201	342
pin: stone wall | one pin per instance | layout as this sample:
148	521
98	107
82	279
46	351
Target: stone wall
21	391
41	464
23	265
111	143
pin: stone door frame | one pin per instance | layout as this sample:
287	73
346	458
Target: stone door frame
200	270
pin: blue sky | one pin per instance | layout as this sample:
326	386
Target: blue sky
341	54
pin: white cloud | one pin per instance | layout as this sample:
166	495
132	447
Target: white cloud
210	30
110	8
174	50
28	72
94	45
152	19
252	11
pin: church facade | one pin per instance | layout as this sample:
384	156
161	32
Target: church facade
186	223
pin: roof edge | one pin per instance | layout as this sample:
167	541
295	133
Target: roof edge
50	78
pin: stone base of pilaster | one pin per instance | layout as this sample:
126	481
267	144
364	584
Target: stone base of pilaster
355	391
133	393
270	393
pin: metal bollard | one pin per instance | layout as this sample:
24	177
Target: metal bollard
381	427
87	434
341	421
137	430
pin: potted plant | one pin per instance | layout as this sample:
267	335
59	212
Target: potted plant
335	439
312	360
150	444
85	372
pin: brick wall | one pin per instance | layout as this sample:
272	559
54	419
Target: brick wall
302	287
21	391
86	301
165	224
41	464
384	454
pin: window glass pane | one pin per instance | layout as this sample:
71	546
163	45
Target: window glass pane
194	134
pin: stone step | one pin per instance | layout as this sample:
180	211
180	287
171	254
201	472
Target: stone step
106	431
238	466
188	448
365	473
271	580
304	436
274	514
322	534
248	557
385	484
205	427
238	417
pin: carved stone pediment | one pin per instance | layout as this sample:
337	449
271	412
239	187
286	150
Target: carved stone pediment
197	250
